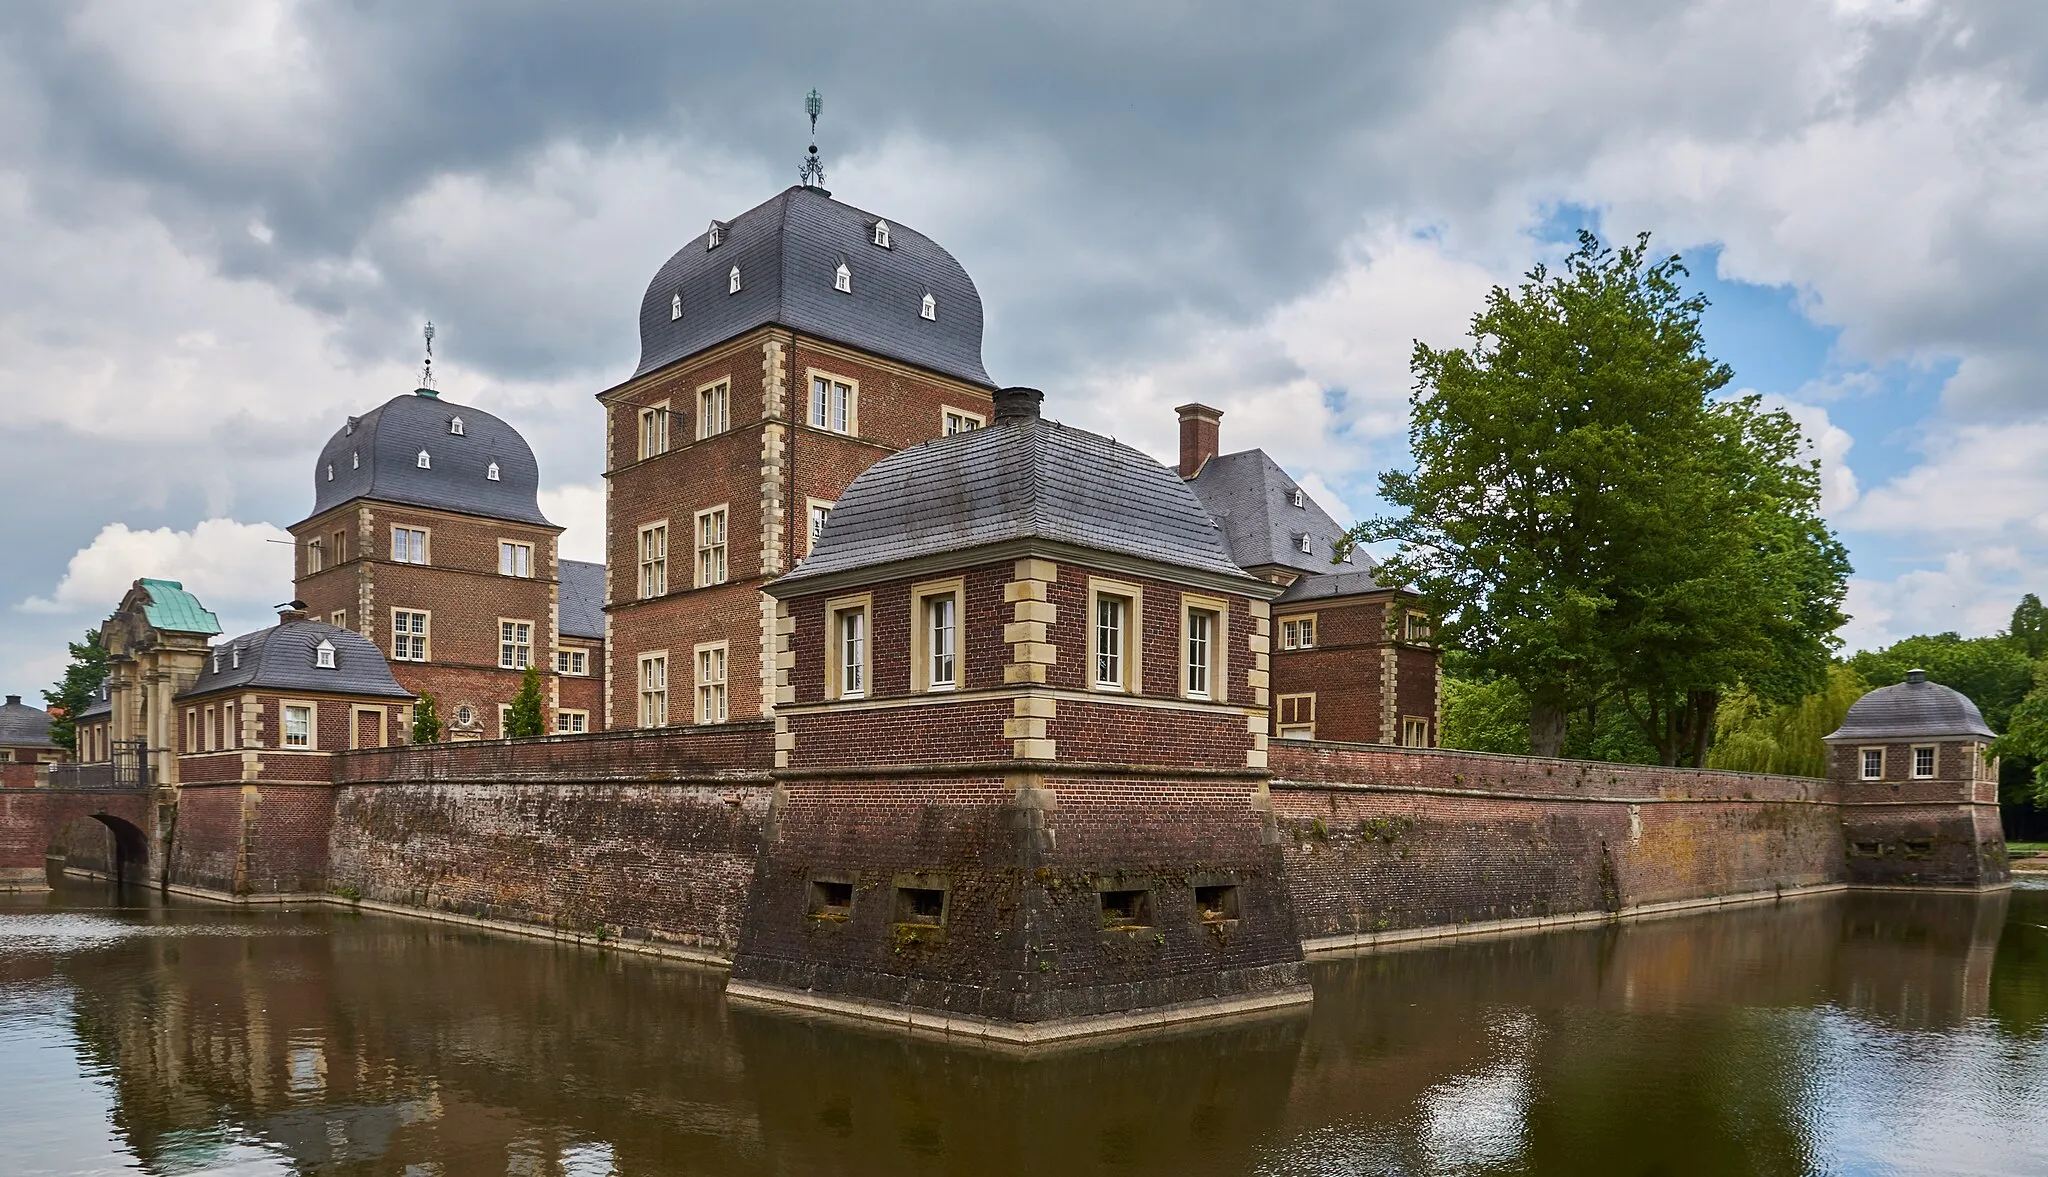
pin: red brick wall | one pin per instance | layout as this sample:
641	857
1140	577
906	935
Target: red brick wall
266	839
739	750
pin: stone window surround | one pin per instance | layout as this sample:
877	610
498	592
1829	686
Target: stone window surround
922	594
811	378
653	696
355	714
426	638
711	424
517	645
1294	730
1295	620
1219	646
836	609
946	412
698	573
651	586
811	525
1933	762
1131	678
511	547
284	708
426	534
699	696
564	729
1863	763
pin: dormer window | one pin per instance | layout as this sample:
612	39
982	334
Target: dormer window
675	308
492	472
1300	499
1306	544
715	236
350	428
842	279
424	462
330	472
235	658
355	460
216	662
455	426
882	234
323	655
732	281
928	309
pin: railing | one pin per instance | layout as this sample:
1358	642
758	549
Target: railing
83	776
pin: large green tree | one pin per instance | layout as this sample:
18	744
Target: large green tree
73	693
1591	523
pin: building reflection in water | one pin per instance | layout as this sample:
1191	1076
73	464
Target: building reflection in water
1747	1040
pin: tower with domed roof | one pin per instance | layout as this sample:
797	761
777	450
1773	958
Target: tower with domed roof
782	353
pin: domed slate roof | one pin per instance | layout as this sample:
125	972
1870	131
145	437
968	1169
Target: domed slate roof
284	658
376	456
788	251
23	726
1022	477
1914	709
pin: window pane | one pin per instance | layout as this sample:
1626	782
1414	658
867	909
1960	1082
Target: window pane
942	638
1109	641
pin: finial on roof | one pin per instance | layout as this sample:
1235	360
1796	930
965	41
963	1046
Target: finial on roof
812	174
426	387
1916	675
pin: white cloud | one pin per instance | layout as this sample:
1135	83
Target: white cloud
579	510
1828	442
233	568
1980	482
1971	592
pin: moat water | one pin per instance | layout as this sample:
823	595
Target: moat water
1850	1034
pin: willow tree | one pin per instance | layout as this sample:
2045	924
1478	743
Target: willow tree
1590	521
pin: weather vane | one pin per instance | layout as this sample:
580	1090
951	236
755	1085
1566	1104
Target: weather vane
813	173
427	368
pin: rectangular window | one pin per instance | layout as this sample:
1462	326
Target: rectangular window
960	421
573	662
1201	634
298	726
713	406
408	635
515	645
1295	716
654	430
208	733
515	559
653	560
1923	762
230	734
337	547
654	690
711	547
1297	633
316	556
1113	622
191	730
820	512
1418	627
572	723
409	545
1414	732
504	721
941	618
832	404
1873	764
711	683
338	619
847	647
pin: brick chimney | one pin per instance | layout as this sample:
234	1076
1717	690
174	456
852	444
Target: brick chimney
292	613
1200	430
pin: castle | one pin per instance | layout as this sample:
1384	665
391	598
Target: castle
899	699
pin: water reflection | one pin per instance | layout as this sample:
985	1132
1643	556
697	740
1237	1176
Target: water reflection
1861	1033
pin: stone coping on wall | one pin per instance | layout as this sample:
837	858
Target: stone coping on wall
721	752
1448	771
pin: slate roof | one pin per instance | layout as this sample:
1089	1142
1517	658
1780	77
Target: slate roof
1324	585
376	456
23	726
582	599
1252	499
102	703
281	659
1914	709
788	250
171	608
1019	478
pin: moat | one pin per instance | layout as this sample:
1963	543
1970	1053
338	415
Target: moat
1849	1033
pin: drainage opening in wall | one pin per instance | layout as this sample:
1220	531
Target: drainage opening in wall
1217	904
920	905
830	899
1126	909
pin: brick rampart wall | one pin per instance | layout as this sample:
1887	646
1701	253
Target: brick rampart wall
734	750
1387	839
256	839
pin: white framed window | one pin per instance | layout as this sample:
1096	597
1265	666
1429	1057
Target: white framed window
654	430
928	309
1298	633
504	721
835	403
491	472
654	560
409	545
711	547
1113	625
572	723
235	658
409	635
323	655
952	420
881	236
1923	762
424	461
654	689
711	698
515	558
820	512
732	281
1306	543
298	725
230	730
714	405
1295	716
1202	630
338	619
515	645
714	237
847	646
455	426
207	729
842	279
575	663
1414	731
330	472
191	730
935	637
675	307
1300	499
1872	763
1415	626
316	556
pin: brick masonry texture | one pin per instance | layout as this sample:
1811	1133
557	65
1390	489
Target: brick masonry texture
1902	831
268	839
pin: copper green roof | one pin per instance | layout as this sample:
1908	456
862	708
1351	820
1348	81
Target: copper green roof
172	608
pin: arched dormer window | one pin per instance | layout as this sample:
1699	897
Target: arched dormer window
675	308
425	462
732	281
355	460
715	236
235	658
455	426
929	308
882	234
1300	499
492	472
323	655
330	472
216	661
1307	544
842	279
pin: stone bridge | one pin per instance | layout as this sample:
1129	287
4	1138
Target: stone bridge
87	823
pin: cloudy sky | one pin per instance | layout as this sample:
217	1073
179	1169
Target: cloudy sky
221	225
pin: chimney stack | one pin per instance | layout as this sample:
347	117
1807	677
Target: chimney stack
14	700
1200	433
1018	404
290	614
